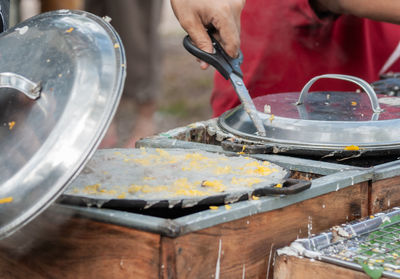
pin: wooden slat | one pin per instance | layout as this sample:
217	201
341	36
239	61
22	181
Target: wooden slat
248	243
63	247
168	259
302	268
385	194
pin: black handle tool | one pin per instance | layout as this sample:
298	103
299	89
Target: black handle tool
230	69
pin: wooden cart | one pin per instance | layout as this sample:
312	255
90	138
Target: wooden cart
240	242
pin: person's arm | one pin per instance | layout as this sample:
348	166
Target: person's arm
380	10
224	15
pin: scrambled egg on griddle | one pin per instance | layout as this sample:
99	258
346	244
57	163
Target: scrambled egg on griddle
160	173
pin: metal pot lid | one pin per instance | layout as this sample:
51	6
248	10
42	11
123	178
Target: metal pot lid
70	65
322	120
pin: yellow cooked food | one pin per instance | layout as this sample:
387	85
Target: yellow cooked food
6	200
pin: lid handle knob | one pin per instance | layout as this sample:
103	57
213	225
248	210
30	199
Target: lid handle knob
360	82
11	80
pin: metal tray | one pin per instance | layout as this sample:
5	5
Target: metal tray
372	243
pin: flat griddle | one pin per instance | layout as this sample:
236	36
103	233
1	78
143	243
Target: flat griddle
162	178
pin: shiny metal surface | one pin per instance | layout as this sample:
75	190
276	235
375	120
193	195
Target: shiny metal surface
79	61
324	120
4	14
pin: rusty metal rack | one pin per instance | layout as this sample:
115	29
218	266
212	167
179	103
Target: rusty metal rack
372	244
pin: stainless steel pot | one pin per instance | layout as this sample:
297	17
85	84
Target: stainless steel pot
322	123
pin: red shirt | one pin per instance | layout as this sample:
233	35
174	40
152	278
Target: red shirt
285	44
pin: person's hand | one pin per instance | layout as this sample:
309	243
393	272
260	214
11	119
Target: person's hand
195	15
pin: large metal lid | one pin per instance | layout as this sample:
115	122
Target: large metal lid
323	120
71	65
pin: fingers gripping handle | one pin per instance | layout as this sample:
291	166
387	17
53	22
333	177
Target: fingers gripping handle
219	59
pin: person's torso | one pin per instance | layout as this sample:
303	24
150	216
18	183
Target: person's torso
285	44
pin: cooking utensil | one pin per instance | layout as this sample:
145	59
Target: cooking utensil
143	178
72	64
230	69
322	123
